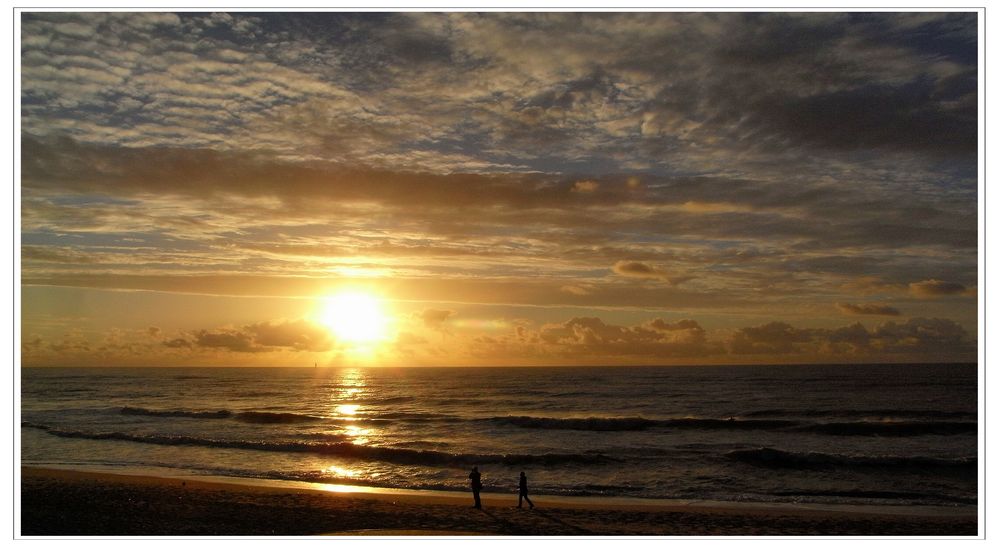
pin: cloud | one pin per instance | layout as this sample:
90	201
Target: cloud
537	89
916	337
297	335
867	309
657	338
590	339
178	343
434	319
784	160
933	336
775	338
227	339
932	288
64	255
642	270
638	269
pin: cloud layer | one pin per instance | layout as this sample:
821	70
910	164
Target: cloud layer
587	340
781	166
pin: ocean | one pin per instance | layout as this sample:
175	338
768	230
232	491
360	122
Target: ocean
832	434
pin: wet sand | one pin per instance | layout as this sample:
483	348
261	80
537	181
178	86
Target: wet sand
76	503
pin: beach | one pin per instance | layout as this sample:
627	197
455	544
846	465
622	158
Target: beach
58	502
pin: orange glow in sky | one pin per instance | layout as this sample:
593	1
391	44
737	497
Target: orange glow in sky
354	317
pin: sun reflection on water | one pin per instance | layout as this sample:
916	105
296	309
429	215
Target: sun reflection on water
347	410
349	387
360	434
338	471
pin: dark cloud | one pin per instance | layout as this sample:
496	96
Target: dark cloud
918	335
703	207
867	309
776	338
847	82
434	318
934	287
638	269
915	337
297	335
907	118
590	338
227	339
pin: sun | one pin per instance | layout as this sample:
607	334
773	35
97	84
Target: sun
354	316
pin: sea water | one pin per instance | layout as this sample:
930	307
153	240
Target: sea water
844	434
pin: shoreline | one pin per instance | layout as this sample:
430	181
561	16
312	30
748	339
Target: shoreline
448	497
72	502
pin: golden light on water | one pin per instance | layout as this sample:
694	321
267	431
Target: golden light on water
339	471
347	410
359	434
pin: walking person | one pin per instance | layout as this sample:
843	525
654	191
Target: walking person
476	480
523	492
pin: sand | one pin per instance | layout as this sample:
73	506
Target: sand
75	503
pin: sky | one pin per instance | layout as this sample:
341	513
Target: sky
498	188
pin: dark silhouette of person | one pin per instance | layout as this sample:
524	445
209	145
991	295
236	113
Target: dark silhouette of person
476	479
523	492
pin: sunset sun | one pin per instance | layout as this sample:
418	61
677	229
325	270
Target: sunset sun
356	317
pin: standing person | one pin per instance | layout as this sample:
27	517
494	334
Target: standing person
476	479
523	492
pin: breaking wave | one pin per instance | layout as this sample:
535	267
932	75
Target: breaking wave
893	429
249	417
636	423
771	457
403	456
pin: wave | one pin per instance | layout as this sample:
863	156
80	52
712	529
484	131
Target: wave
391	400
893	429
349	450
772	457
416	417
636	423
201	415
253	417
276	417
259	394
592	423
856	413
585	424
